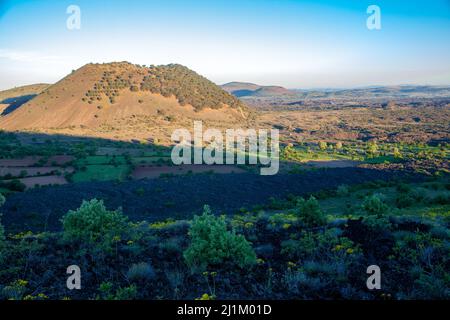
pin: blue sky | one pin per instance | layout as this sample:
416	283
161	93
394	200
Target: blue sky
297	44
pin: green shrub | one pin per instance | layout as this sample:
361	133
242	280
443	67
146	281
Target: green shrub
14	290
13	185
441	199
322	145
140	272
377	223
372	148
342	190
126	293
2	200
139	191
310	213
93	224
2	238
2	230
404	200
374	205
212	244
403	188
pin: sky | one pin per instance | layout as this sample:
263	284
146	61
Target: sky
296	44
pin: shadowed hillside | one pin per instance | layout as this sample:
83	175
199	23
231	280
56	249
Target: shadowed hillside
12	99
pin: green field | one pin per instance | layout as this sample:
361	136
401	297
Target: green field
371	153
100	172
415	199
149	160
101	160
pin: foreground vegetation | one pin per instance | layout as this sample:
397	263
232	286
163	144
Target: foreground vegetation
317	247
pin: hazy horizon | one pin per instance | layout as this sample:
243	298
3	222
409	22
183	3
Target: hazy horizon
295	44
318	88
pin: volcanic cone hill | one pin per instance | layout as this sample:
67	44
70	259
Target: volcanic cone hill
126	101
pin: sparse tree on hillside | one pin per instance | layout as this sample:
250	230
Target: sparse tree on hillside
397	153
372	148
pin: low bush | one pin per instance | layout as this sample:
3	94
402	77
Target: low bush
212	244
342	190
141	272
94	225
107	292
441	199
404	200
2	231
13	185
310	213
374	205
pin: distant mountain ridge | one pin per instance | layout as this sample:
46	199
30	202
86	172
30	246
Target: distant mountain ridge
371	92
247	89
251	90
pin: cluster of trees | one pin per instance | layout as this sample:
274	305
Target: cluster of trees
187	86
168	80
109	85
13	185
369	150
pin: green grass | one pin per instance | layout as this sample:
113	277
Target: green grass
302	155
344	206
163	154
102	173
383	159
358	151
5	191
120	160
104	168
101	160
148	160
